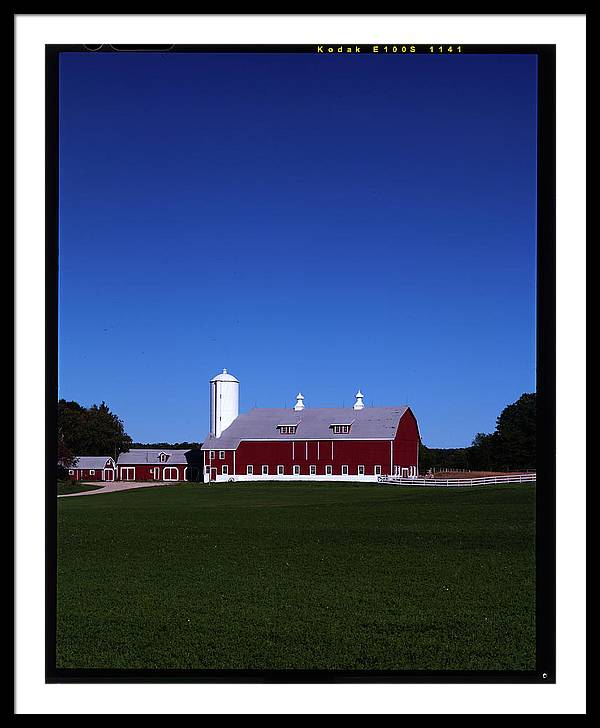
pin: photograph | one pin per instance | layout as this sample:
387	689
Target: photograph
299	359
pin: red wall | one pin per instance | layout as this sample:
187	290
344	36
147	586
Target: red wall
145	472
406	442
84	474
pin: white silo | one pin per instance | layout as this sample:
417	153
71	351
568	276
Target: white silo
224	402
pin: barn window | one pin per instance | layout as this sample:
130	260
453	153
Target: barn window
221	454
92	472
361	470
328	470
341	429
250	470
212	454
377	470
280	470
225	470
265	469
71	472
163	457
313	469
287	429
296	470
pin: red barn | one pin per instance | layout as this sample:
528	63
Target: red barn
356	443
159	465
93	468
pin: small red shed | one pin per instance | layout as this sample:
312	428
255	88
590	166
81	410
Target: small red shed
93	467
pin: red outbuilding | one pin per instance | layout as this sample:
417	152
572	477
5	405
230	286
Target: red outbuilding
93	468
159	465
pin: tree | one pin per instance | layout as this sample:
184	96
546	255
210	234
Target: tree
516	431
90	431
484	452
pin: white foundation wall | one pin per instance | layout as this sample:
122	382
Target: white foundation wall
273	478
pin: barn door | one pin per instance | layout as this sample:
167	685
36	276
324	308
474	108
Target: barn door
213	474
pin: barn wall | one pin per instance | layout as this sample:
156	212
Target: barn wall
217	463
144	472
306	453
406	442
84	474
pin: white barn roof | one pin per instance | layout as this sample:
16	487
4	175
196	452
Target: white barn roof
92	462
142	457
370	423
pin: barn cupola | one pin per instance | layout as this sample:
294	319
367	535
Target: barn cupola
224	402
359	404
299	406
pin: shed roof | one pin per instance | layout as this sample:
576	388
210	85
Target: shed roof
371	423
92	462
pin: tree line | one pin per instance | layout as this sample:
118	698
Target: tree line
512	445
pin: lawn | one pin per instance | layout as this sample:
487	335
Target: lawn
64	487
314	576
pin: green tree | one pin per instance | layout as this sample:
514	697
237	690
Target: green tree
484	452
90	431
516	433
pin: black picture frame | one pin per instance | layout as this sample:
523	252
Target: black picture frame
545	671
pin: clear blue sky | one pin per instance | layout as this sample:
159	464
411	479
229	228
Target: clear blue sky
312	223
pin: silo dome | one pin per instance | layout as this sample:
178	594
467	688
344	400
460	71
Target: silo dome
224	376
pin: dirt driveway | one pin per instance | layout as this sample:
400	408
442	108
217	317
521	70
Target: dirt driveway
112	488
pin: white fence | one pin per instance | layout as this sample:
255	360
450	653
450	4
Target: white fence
459	482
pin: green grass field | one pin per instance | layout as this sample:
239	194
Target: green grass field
313	576
64	487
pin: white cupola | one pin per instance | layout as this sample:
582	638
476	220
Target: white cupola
224	402
299	406
359	404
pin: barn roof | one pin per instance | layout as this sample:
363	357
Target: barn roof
91	462
371	423
141	457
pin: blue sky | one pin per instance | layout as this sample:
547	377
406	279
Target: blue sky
310	222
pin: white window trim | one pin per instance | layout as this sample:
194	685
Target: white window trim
377	470
221	454
212	455
92	472
360	470
296	470
224	470
249	469
329	470
71	472
280	470
264	469
344	470
312	469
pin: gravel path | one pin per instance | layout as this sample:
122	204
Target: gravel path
113	488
